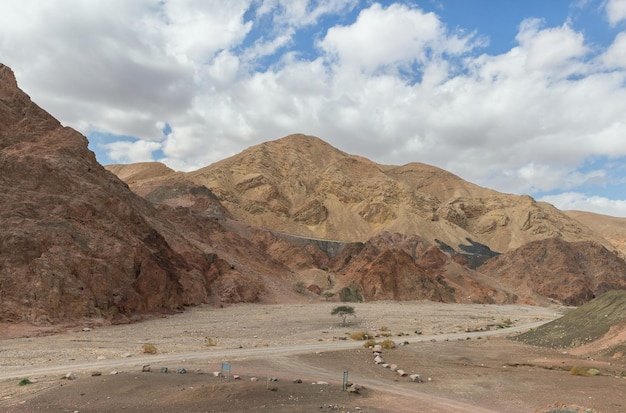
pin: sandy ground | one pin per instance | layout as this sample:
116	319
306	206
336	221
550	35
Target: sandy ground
464	368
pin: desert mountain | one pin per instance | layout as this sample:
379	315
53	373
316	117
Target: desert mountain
569	273
77	243
424	229
613	229
301	185
289	220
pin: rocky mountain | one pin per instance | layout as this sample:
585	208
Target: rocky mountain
569	273
77	243
285	221
613	229
301	185
406	232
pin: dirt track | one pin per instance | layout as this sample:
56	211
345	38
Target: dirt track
289	341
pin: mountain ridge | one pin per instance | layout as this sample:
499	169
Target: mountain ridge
300	184
78	243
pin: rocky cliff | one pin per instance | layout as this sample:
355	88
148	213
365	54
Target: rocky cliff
76	243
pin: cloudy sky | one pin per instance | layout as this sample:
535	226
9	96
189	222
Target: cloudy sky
525	97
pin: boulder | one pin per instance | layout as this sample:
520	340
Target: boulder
416	378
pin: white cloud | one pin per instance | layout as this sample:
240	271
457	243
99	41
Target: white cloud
130	152
577	201
396	84
615	56
615	11
297	13
393	37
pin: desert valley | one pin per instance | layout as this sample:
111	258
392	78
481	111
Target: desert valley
500	303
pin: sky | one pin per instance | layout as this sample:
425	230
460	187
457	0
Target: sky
524	96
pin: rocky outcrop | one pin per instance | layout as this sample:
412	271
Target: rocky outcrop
567	273
76	243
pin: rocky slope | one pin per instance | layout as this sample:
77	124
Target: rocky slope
286	221
613	229
598	326
76	243
301	185
569	273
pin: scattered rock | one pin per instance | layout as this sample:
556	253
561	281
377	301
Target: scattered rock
416	378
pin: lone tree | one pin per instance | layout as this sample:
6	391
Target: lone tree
343	311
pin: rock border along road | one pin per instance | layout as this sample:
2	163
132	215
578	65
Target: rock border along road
232	354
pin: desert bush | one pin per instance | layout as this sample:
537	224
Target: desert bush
387	344
582	371
351	294
385	334
148	348
384	328
369	343
209	342
299	287
361	335
24	382
327	295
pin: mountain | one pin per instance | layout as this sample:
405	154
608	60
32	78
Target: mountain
407	232
301	185
569	273
613	229
290	220
77	243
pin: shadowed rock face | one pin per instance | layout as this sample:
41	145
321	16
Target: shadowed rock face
75	241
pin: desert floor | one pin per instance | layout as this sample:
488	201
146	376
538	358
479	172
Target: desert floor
460	351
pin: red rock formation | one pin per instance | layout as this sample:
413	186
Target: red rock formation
75	241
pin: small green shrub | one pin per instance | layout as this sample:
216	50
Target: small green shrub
25	381
148	348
